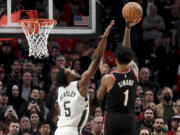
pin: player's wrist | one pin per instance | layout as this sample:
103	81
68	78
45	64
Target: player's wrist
127	25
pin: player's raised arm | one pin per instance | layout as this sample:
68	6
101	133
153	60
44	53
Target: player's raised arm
126	39
98	54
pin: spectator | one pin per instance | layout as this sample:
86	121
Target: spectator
2	74
139	91
76	65
14	128
98	112
42	101
178	130
144	131
7	54
10	115
52	116
178	106
138	109
149	4
159	97
153	25
158	127
175	120
2	128
149	97
27	66
88	128
25	125
45	128
176	34
148	119
3	103
151	105
35	121
174	16
146	82
37	80
61	62
1	85
51	87
98	125
166	109
15	100
26	85
15	76
167	64
54	51
26	133
50	83
91	92
32	105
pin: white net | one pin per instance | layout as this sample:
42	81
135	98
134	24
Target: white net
37	32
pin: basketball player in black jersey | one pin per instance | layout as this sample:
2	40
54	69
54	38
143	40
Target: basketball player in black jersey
120	89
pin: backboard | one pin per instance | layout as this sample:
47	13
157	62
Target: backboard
74	20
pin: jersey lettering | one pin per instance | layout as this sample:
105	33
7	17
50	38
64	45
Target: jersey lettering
126	83
67	94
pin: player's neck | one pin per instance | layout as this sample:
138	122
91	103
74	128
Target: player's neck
123	68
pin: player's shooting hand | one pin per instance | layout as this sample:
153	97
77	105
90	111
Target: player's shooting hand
136	21
106	33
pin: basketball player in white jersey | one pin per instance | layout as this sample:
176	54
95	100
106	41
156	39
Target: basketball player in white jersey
73	97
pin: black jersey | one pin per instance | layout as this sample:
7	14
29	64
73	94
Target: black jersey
122	95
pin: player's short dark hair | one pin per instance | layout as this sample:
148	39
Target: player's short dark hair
61	78
124	55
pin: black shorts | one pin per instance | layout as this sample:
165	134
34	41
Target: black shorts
120	123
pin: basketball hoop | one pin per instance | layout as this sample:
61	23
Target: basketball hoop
37	32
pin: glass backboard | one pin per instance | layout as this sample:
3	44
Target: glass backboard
75	18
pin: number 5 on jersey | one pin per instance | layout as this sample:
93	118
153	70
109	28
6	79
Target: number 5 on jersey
67	109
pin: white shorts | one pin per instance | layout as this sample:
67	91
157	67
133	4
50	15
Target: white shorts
67	131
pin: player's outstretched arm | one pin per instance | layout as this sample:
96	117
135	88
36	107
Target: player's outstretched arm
127	41
98	54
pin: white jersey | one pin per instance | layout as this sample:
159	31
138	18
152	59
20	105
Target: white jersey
74	108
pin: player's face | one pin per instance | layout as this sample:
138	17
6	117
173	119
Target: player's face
71	74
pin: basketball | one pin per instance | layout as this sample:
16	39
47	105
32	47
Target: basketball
131	11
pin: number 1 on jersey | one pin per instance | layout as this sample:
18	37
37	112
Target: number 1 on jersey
126	93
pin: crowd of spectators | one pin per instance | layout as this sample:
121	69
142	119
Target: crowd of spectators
28	89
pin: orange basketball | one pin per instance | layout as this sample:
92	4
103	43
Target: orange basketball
131	10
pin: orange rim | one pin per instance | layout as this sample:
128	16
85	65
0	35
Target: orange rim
50	21
35	24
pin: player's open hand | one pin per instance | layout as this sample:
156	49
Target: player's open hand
106	33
